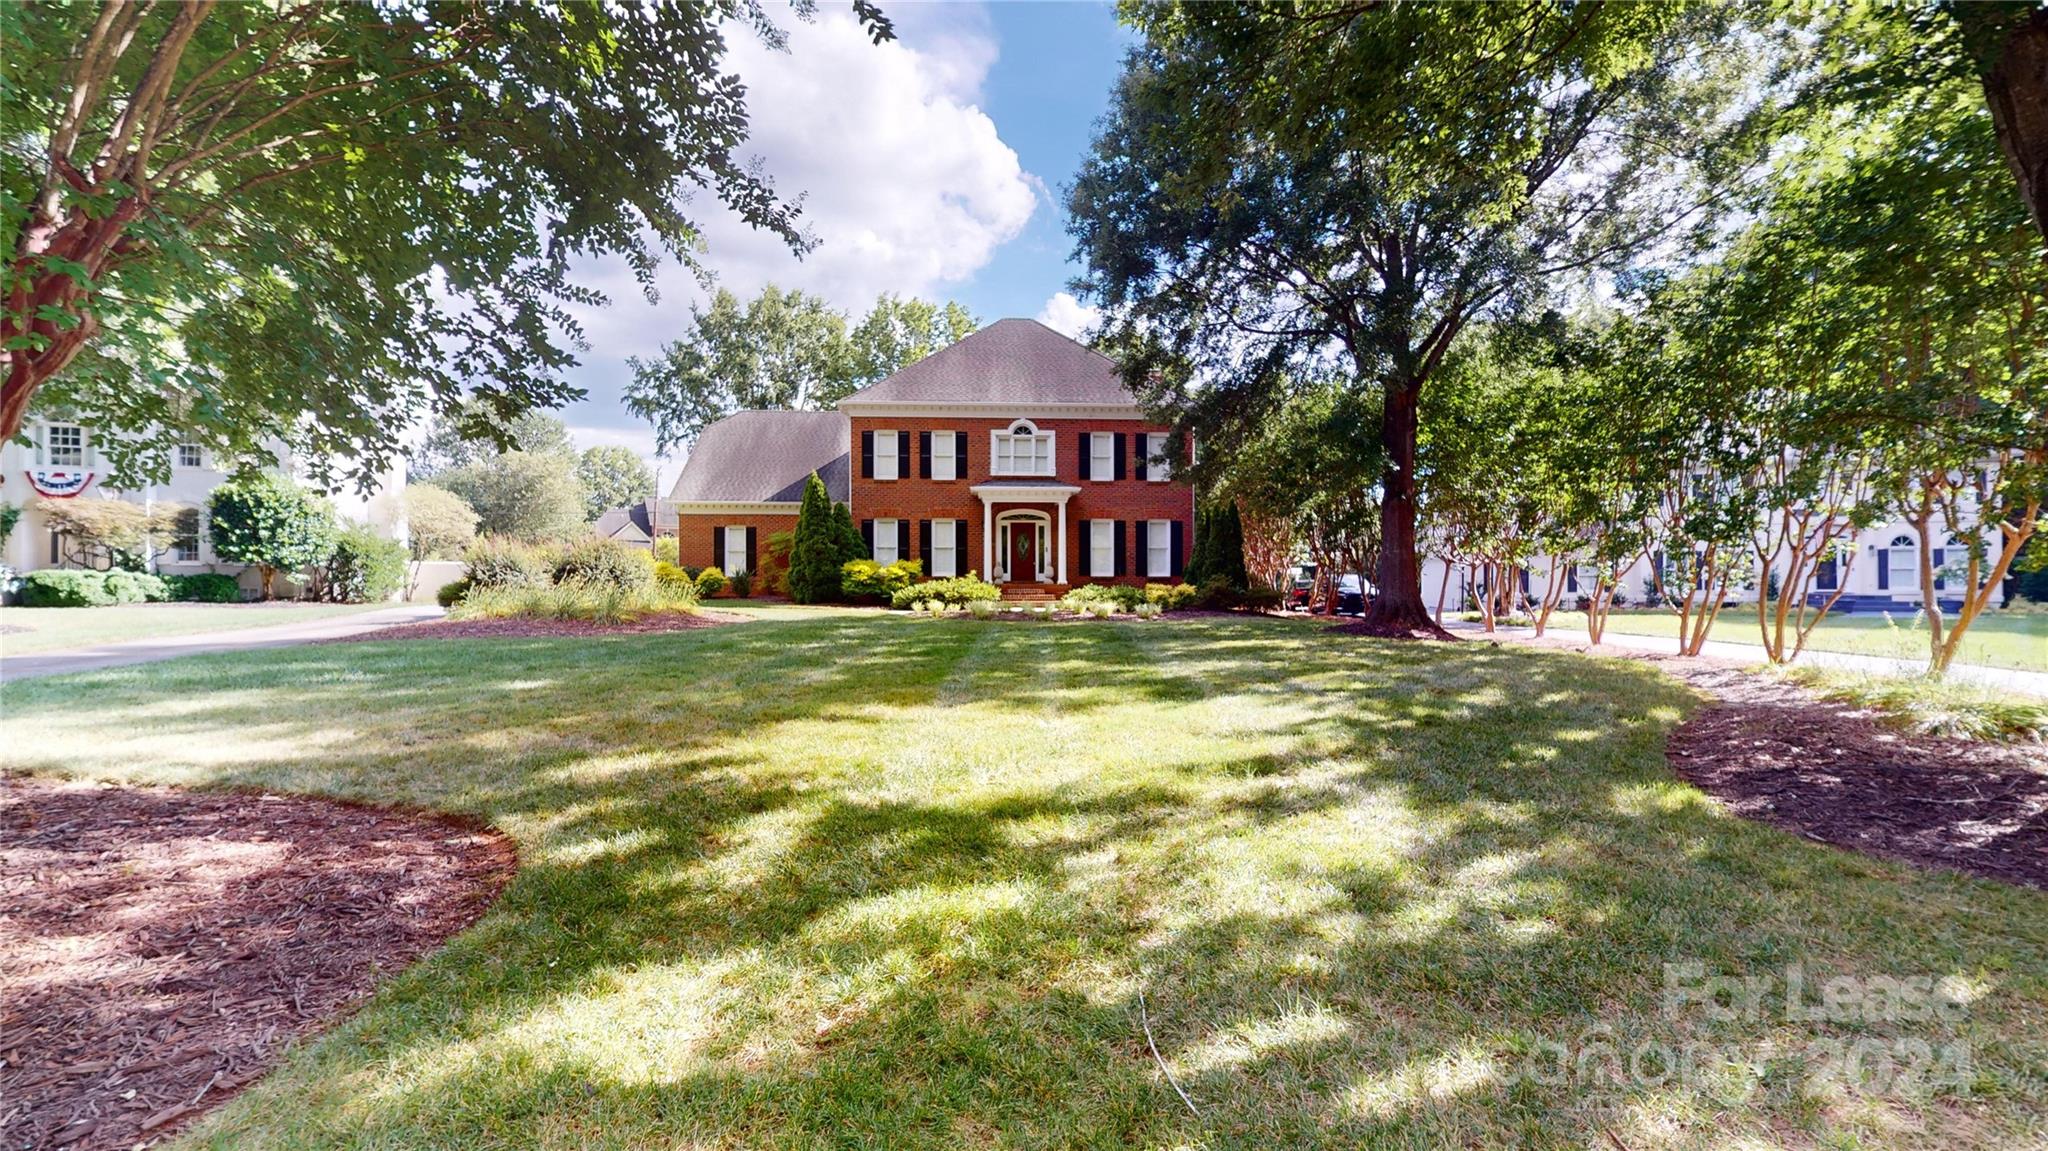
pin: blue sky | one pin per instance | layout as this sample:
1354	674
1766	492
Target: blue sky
932	166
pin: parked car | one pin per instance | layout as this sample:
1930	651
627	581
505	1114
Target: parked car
1298	591
1350	595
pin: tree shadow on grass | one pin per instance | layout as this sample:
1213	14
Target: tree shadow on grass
779	888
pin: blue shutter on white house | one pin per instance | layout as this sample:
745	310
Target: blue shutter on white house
1939	581
1884	569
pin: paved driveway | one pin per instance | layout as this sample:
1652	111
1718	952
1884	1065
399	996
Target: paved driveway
244	639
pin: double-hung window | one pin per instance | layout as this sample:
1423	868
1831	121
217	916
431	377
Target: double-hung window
1101	456
885	530
885	456
944	458
1159	548
735	549
943	559
1155	447
185	543
189	456
1102	548
65	444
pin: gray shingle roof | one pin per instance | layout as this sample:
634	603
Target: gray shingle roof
765	457
640	515
1008	362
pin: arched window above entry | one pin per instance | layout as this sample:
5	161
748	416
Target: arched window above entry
1902	541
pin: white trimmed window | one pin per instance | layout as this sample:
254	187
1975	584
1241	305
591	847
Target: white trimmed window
1102	547
1155	446
1904	561
65	444
943	456
1159	548
944	561
185	544
1022	450
735	549
885	456
1101	456
189	456
885	535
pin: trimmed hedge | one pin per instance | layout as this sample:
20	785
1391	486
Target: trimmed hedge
204	587
68	588
710	581
1172	596
958	590
1122	596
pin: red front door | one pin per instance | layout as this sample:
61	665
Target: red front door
1023	562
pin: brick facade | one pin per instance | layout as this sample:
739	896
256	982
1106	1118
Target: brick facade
695	533
1127	501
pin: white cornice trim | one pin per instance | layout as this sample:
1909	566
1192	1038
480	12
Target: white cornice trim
734	507
1001	411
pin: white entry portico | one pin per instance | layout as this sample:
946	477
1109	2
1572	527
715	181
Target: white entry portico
1026	544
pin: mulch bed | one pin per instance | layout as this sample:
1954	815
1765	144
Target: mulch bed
160	948
1387	631
541	628
1778	753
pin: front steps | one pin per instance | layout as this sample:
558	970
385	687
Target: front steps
1033	593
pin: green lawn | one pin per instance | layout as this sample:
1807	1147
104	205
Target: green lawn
62	628
867	881
2001	639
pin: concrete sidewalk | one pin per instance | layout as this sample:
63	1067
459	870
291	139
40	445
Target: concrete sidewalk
245	639
2010	679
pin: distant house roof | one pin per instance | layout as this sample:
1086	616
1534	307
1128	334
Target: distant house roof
765	457
1010	362
634	522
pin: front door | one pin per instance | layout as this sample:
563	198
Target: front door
1023	557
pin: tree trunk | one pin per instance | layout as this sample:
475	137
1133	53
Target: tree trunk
2009	46
1398	608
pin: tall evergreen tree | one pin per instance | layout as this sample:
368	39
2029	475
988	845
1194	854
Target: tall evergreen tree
814	548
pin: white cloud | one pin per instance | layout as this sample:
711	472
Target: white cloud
905	183
1069	316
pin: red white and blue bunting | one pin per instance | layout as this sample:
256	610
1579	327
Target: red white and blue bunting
59	483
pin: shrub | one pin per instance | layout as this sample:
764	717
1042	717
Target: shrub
667	550
271	523
1125	597
1148	611
982	608
813	574
670	575
710	582
1171	596
958	590
58	588
773	573
203	587
596	601
604	561
495	561
363	568
136	587
1262	598
871	582
1933	707
453	593
743	584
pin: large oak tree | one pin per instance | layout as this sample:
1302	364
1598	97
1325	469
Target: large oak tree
311	220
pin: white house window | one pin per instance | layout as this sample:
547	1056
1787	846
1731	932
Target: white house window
185	545
188	456
1023	450
885	455
1101	547
735	549
1155	446
1101	456
885	538
1903	558
1159	548
943	561
943	456
66	444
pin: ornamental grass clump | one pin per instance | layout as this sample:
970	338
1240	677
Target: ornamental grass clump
593	601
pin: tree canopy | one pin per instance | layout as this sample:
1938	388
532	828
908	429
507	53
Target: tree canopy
315	222
613	476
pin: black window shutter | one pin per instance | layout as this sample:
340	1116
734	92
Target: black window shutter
924	544
1118	456
867	455
1173	568
1141	555
924	455
867	535
1144	457
902	454
959	455
1087	442
1116	548
960	548
903	536
752	556
718	549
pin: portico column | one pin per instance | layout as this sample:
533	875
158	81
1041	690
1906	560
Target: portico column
988	543
1060	576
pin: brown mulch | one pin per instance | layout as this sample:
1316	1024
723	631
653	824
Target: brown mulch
1387	631
160	948
1778	753
541	628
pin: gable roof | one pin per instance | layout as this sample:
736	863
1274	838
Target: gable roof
765	457
639	517
1010	362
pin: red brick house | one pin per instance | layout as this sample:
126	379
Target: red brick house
1016	454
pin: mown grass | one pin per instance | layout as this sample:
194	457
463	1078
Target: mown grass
1995	639
868	881
62	628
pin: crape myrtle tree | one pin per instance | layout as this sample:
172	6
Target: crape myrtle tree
270	523
781	350
314	221
1283	192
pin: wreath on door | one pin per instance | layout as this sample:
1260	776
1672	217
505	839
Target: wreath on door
1024	542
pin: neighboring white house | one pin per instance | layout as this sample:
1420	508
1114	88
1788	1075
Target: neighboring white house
638	524
63	461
